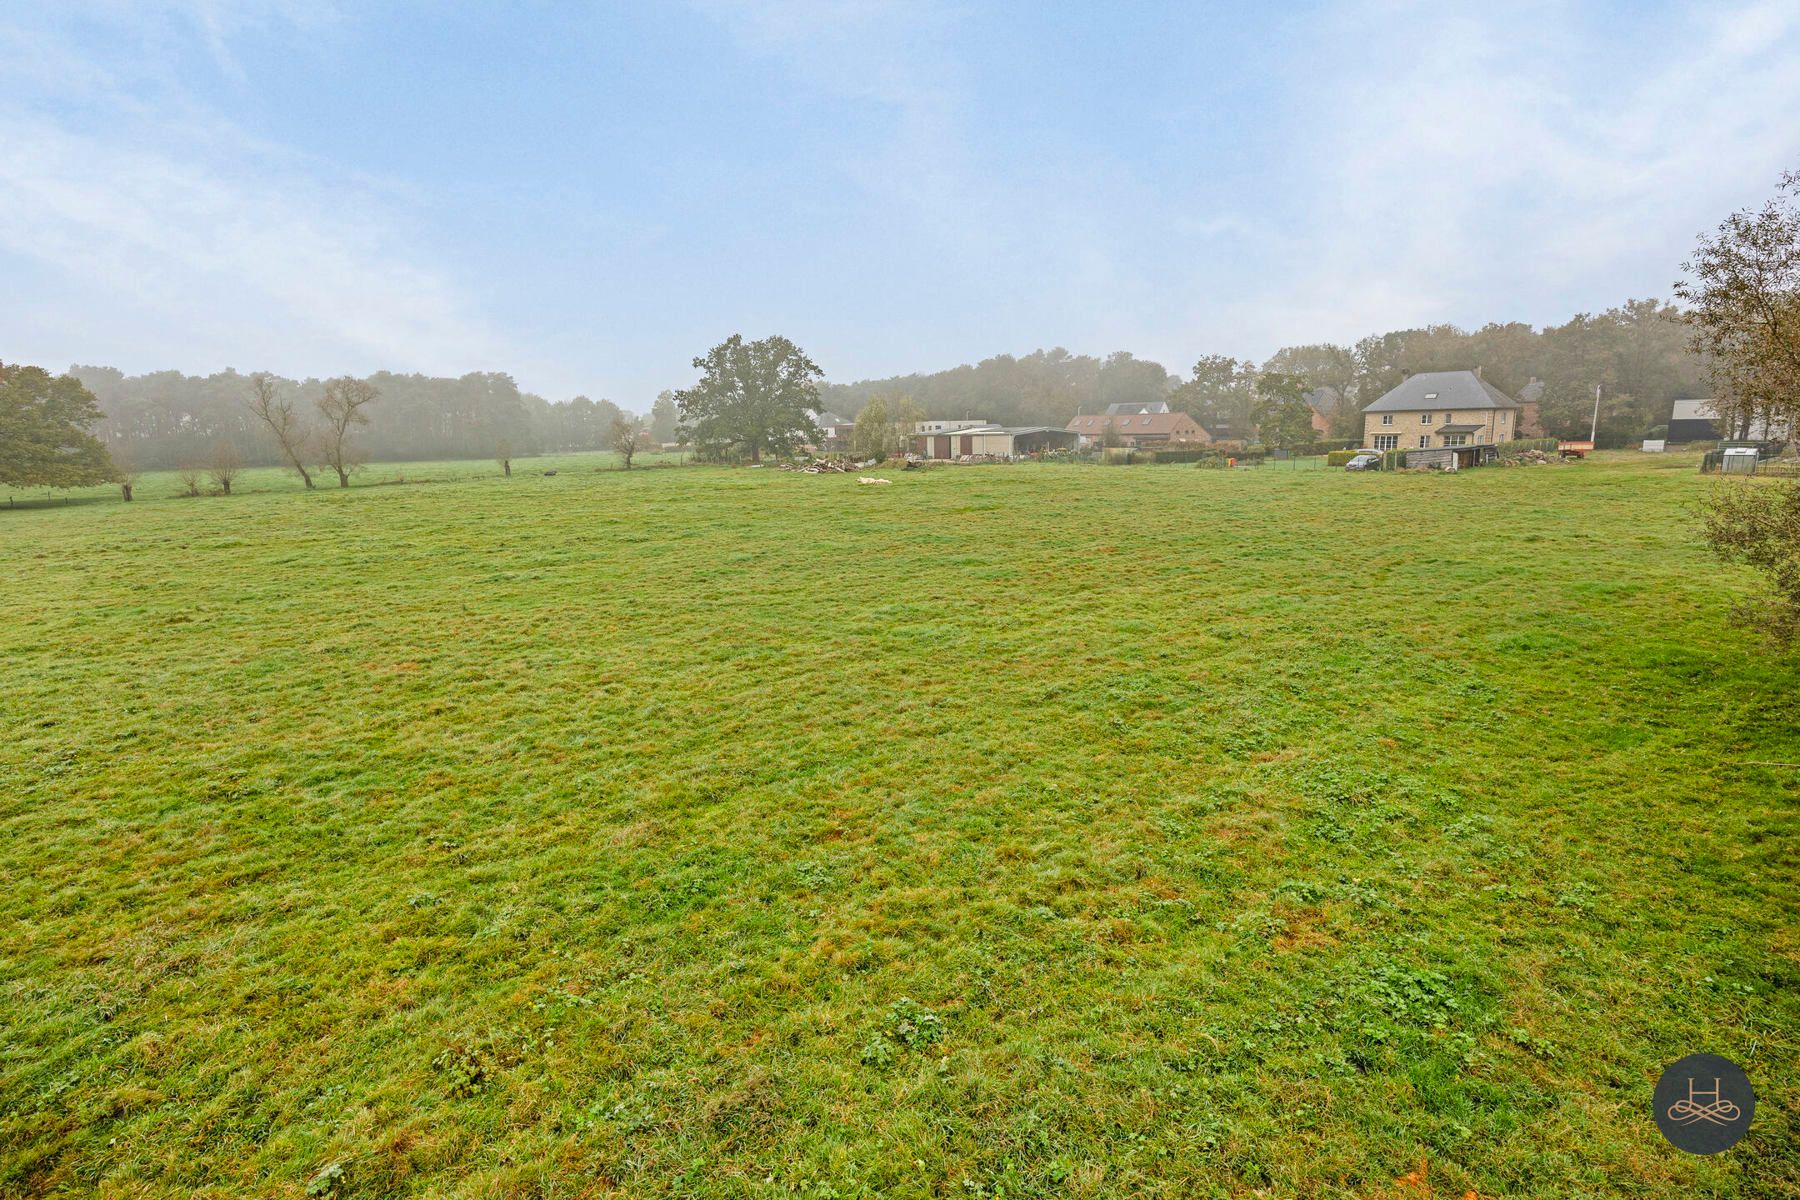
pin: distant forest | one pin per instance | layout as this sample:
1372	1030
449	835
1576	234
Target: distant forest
1637	353
166	419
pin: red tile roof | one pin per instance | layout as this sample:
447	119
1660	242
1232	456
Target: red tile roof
1142	424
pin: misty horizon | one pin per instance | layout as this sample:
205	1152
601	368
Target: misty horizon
898	188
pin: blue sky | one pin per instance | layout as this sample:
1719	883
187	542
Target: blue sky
588	195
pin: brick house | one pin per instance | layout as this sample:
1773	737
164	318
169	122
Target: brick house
1434	409
1140	429
1324	403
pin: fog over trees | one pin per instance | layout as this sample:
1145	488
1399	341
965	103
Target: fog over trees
165	419
1636	352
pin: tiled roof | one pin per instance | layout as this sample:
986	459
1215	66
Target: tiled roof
1151	423
1429	391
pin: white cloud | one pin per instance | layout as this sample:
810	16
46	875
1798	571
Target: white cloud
260	262
1417	163
1407	163
163	225
1481	166
1054	236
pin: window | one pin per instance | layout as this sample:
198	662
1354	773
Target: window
1449	417
1424	418
1386	441
1431	395
1387	418
1424	440
1456	439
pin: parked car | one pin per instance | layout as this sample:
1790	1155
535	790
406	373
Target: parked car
1366	460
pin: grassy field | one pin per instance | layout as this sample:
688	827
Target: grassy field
164	485
1004	832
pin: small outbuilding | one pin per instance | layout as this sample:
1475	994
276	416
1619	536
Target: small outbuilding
1452	458
1698	421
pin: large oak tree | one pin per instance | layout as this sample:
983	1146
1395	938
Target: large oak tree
44	438
752	398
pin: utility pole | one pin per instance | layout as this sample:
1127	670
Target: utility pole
1594	429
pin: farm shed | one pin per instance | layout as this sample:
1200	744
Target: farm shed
1021	440
1698	421
994	441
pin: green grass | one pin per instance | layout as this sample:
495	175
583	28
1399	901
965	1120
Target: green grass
1003	832
163	485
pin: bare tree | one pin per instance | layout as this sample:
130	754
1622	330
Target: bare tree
623	437
277	412
189	476
126	473
224	466
342	407
503	455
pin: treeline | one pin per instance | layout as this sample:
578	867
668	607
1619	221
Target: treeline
1046	387
1636	353
167	419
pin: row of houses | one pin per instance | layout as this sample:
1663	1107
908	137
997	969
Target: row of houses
1432	410
1428	411
1452	411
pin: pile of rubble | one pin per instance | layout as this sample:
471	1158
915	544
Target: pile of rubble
1530	458
823	466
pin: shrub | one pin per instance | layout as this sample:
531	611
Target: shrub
1759	524
1337	458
